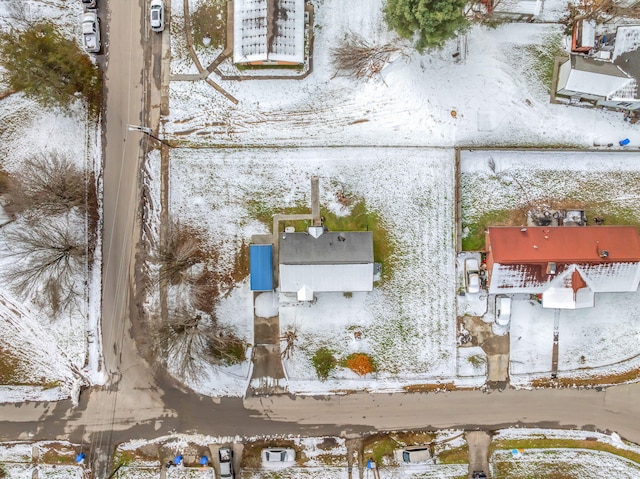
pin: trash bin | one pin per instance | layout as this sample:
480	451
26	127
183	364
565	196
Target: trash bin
624	142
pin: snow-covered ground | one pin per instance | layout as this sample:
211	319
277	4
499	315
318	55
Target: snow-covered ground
44	459
576	463
407	322
494	93
57	351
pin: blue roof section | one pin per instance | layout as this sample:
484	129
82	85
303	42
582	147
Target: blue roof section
261	267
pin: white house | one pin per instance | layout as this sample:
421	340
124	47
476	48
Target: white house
325	261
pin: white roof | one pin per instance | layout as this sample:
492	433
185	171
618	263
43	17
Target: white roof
627	40
600	278
563	298
305	293
598	84
326	277
268	30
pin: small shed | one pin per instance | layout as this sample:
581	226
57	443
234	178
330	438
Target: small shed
261	267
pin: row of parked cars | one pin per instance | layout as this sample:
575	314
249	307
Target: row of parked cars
91	23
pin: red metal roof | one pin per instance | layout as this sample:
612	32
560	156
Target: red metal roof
563	244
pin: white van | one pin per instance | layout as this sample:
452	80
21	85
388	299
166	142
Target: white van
503	310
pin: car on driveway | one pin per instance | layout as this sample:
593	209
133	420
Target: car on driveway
503	310
413	454
472	275
91	32
156	15
278	456
90	3
479	475
225	454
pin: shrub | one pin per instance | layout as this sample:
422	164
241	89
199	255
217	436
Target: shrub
323	361
360	363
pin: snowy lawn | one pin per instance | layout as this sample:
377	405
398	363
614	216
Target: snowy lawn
408	322
499	186
498	92
54	460
576	454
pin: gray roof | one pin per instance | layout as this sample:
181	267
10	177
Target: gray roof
330	248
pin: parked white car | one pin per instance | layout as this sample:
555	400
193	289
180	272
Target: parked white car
472	275
275	456
156	15
91	32
503	310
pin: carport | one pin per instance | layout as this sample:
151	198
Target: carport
261	267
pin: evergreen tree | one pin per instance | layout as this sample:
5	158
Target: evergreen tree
46	66
435	21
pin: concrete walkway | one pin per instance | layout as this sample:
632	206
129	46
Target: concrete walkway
268	376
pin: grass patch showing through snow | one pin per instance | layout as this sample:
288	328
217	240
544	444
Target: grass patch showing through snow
542	443
459	455
474	240
544	55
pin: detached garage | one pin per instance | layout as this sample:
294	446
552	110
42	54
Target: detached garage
261	267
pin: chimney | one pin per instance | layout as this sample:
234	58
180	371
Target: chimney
315	201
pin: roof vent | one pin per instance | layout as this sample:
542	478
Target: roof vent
603	253
342	237
523	230
551	267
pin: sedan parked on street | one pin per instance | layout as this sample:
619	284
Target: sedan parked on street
156	15
225	454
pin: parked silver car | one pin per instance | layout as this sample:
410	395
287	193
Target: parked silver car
91	32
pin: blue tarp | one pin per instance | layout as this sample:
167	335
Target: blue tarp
261	267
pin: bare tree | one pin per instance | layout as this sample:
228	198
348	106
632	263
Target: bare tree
182	250
18	13
48	258
356	57
289	337
190	340
50	182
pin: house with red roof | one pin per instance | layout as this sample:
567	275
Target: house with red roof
564	265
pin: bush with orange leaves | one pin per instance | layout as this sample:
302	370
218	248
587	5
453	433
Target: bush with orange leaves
360	363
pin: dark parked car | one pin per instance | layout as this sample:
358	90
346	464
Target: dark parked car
479	475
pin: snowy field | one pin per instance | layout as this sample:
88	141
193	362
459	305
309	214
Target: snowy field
494	91
408	322
572	463
50	349
44	460
604	182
